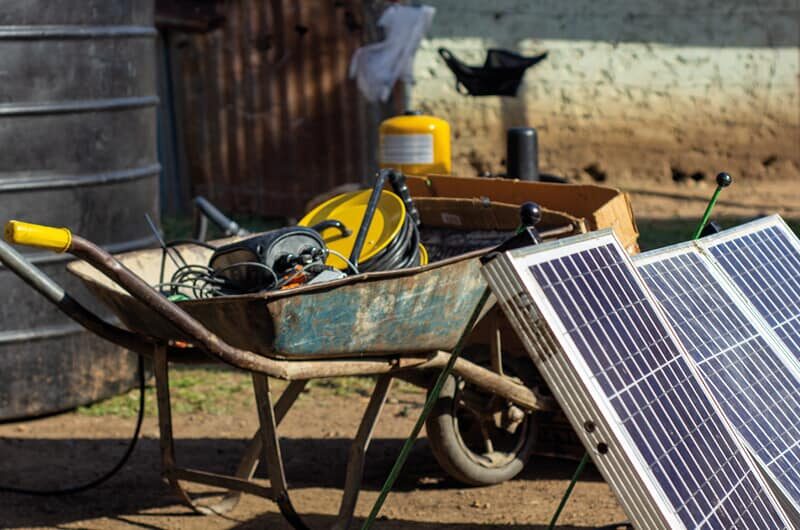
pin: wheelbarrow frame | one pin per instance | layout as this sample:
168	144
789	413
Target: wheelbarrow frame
264	446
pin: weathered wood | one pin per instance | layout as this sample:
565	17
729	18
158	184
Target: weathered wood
494	383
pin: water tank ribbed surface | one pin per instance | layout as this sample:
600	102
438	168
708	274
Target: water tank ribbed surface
78	136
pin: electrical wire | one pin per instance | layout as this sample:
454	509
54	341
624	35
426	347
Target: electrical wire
108	474
343	258
196	242
219	274
200	281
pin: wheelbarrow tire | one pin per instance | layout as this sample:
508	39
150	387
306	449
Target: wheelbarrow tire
457	459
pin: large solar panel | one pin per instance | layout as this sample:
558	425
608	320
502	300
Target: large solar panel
762	258
629	388
748	370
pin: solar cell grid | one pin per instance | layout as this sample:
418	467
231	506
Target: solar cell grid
748	372
599	311
763	261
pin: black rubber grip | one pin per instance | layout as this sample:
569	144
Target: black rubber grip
228	226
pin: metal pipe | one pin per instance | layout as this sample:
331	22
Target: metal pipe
56	294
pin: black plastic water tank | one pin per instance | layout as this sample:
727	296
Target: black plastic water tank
78	136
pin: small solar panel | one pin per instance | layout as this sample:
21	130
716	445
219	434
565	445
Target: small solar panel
762	259
748	371
629	388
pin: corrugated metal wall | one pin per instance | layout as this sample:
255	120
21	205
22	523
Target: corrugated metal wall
266	113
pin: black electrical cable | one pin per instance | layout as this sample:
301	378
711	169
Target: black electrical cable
108	474
197	242
401	252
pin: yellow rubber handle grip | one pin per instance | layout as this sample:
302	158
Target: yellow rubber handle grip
57	239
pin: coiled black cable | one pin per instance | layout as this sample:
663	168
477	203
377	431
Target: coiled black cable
402	252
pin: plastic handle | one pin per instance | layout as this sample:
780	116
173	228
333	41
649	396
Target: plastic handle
48	237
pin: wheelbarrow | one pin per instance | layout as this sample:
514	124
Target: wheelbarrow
356	326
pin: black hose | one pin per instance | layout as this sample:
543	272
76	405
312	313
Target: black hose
108	474
402	252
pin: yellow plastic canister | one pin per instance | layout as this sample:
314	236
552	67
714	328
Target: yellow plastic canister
415	144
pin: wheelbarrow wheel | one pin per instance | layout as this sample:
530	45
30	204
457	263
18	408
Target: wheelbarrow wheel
477	438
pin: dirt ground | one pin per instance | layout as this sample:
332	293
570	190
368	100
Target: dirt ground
73	447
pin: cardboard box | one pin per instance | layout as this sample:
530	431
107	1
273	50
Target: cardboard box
598	206
482	214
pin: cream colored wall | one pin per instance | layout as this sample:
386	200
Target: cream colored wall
636	88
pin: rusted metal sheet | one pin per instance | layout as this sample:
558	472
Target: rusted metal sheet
270	118
407	311
423	312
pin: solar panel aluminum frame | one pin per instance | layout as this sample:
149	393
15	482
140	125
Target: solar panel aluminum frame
755	319
774	220
568	377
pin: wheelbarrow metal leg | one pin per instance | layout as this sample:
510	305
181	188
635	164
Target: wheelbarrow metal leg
272	451
166	442
252	455
169	467
358	452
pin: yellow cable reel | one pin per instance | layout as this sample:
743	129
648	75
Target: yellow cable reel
349	209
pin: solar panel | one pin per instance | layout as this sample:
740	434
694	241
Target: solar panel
748	371
629	388
762	258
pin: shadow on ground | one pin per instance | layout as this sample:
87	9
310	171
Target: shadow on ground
310	463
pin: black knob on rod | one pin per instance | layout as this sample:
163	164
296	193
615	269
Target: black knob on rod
530	214
724	180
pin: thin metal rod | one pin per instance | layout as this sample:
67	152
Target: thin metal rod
429	402
55	294
707	213
568	492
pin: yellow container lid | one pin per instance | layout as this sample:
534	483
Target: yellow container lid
349	209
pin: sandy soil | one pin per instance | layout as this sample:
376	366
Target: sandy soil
71	447
688	198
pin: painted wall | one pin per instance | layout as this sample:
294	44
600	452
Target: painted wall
642	88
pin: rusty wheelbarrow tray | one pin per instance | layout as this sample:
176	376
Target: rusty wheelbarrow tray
270	335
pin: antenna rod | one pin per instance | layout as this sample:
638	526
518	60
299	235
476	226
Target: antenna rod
723	181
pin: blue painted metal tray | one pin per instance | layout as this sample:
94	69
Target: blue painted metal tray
408	311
